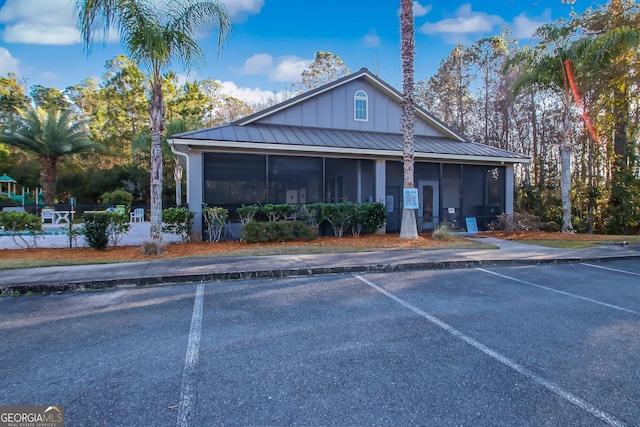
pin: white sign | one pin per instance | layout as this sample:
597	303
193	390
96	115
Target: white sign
452	210
410	198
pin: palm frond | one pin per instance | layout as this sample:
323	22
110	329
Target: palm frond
197	17
96	16
51	133
601	51
546	73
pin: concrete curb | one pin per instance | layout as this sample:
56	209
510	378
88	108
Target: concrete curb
101	284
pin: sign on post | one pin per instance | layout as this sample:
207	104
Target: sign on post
410	196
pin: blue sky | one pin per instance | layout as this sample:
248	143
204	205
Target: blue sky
273	41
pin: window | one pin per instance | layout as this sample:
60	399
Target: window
361	107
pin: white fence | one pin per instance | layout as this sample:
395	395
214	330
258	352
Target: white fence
57	236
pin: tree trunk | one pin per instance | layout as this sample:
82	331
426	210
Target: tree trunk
565	183
620	115
48	179
156	116
408	227
534	141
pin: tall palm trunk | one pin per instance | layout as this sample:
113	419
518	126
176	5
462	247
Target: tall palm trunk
48	178
408	227
565	161
156	117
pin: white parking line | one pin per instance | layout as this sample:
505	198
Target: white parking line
549	385
610	269
616	307
187	393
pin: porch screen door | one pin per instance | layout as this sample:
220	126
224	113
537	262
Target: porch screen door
429	198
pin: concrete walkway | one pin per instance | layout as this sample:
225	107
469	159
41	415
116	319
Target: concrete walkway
100	276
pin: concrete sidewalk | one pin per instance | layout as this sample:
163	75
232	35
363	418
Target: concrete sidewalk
101	276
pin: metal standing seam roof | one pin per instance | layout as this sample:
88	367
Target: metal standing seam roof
343	139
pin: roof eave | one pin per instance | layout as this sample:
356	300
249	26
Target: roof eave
271	147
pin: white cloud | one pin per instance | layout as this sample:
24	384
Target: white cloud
49	22
289	69
53	22
240	9
284	69
419	10
8	64
523	27
465	21
251	96
372	39
41	34
260	63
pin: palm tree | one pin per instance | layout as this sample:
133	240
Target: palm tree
50	135
550	70
546	70
142	143
408	227
154	37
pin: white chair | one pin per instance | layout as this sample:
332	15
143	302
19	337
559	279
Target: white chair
137	215
47	215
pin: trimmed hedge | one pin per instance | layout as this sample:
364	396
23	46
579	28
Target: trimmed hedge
341	217
276	231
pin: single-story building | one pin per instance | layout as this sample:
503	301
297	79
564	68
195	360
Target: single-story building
343	141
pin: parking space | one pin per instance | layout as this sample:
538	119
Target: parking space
110	358
522	345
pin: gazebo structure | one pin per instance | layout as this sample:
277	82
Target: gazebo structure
11	185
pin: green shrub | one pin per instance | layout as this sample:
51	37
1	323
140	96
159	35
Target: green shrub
7	201
551	227
117	197
276	231
255	231
313	214
374	216
20	225
119	226
96	229
246	213
340	216
519	221
279	211
215	219
75	230
178	221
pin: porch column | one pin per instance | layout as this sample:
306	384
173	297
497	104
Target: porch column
508	188
195	185
381	187
381	180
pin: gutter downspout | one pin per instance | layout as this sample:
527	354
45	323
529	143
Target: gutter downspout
196	234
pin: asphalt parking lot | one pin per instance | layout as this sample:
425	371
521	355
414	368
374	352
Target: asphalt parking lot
501	346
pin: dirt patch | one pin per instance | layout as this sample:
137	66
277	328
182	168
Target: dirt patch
197	249
194	249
